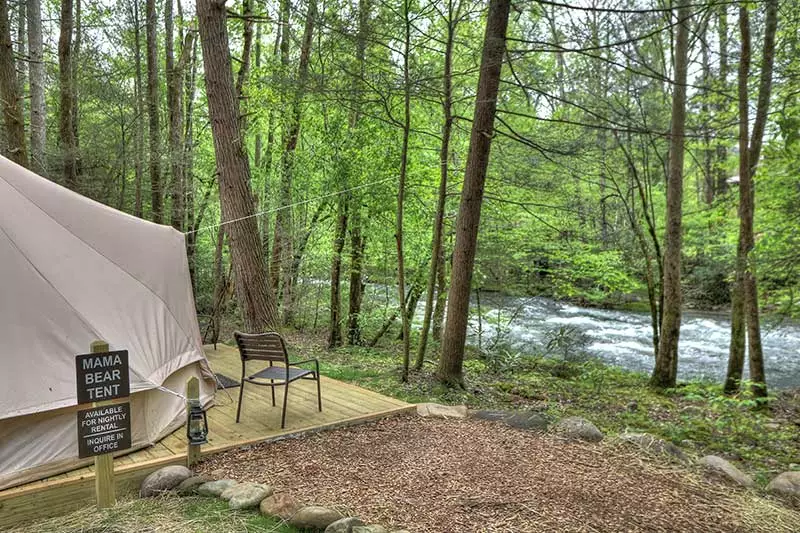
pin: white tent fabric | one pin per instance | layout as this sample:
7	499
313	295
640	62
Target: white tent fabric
71	271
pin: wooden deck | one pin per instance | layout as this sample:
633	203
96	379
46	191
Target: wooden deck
342	403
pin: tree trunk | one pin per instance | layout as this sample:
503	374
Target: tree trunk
441	296
9	91
450	370
287	166
283	216
444	155
256	300
744	308
335	334
177	145
722	152
137	91
401	192
36	72
75	108
247	46
66	130
665	371
193	217
357	240
156	206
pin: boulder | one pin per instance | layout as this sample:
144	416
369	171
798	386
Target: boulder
528	420
577	428
163	479
315	517
493	415
189	486
786	484
344	525
279	505
725	470
246	495
435	410
654	445
215	488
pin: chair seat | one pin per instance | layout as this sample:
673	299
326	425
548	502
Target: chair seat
279	373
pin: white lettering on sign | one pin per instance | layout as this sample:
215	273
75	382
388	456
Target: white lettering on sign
106	360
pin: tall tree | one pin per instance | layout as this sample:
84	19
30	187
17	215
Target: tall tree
66	129
437	264
9	90
283	218
450	370
745	322
666	368
36	73
138	166
287	163
401	189
156	201
256	298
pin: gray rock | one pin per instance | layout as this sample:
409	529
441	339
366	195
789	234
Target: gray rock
215	488
279	505
344	525
374	528
435	410
246	495
315	517
189	485
724	469
578	428
163	479
654	445
491	415
786	484
528	420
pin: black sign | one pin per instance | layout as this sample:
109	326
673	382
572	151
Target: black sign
104	429
102	376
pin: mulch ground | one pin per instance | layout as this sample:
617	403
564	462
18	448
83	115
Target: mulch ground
455	476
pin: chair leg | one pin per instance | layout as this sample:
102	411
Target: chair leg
285	397
319	393
272	386
241	393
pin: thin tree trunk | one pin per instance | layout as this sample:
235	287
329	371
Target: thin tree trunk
75	108
256	300
441	296
283	216
722	152
193	217
36	71
665	371
9	91
247	46
66	130
157	213
357	240
335	334
450	370
401	192
21	52
444	155
287	165
137	91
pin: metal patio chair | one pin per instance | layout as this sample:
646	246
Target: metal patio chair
271	347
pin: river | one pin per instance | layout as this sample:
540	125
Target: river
624	338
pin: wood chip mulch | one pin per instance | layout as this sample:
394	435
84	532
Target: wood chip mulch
470	475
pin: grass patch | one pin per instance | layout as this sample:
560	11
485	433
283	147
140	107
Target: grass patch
167	513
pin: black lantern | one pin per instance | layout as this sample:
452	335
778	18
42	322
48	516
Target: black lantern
197	424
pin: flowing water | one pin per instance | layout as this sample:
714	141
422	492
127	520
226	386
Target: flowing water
624	338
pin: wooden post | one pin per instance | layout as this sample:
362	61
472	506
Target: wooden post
105	490
192	393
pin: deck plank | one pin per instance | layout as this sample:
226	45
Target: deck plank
342	404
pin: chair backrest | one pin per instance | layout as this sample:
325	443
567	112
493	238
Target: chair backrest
261	346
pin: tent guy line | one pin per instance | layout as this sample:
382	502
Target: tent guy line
309	200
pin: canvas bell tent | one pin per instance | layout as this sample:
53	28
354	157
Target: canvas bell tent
71	271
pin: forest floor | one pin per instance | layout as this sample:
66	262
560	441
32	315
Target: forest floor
760	438
433	475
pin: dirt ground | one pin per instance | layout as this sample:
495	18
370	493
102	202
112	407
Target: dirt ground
454	476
